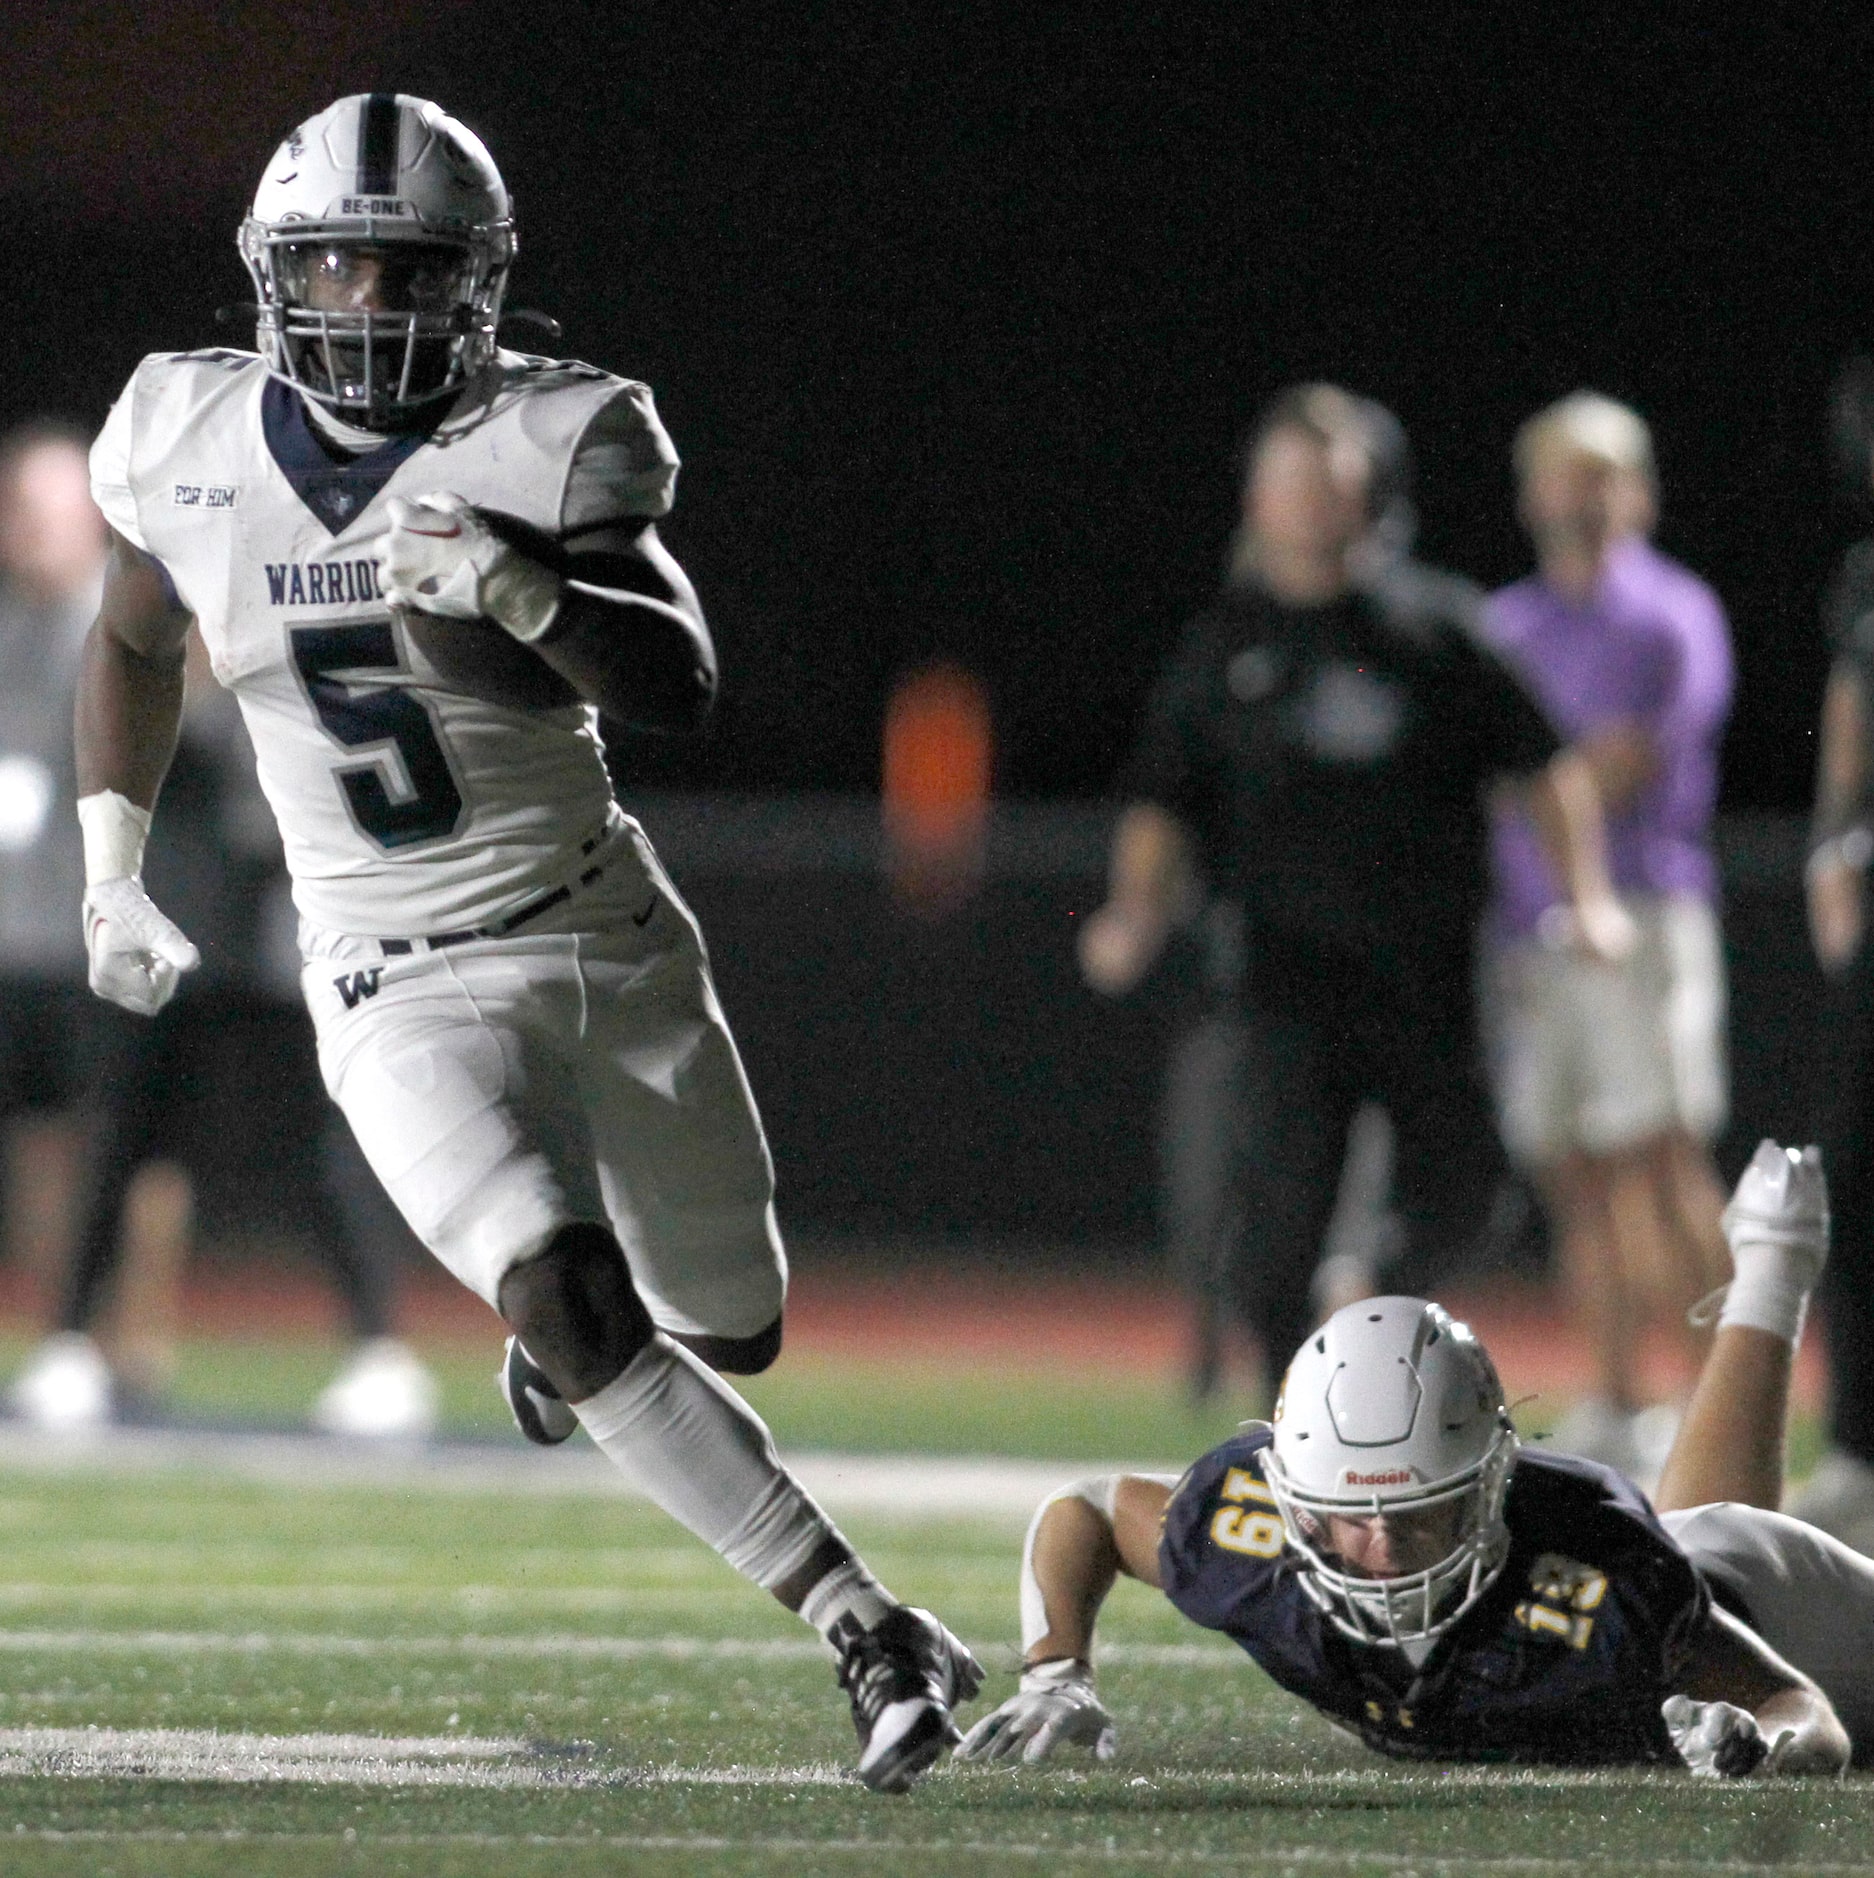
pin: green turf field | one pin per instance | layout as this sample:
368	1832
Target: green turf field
569	1686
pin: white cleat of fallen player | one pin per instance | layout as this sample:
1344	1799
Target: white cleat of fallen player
1777	1226
1781	1199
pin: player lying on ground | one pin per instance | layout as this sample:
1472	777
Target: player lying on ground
418	560
1388	1551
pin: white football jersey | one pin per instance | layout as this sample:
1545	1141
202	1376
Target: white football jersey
406	805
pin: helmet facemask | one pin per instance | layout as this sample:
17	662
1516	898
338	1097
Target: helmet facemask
1415	1606
379	331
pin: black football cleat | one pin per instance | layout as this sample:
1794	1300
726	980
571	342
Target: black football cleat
540	1412
904	1677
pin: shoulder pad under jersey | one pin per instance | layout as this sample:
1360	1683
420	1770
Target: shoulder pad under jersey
534	365
231	358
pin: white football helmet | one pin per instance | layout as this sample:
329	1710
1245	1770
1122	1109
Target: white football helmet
379	244
1393	1407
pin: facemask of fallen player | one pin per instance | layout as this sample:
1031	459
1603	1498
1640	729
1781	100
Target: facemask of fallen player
1399	1576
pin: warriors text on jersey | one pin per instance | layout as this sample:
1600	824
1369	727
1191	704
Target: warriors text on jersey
1566	1658
407	804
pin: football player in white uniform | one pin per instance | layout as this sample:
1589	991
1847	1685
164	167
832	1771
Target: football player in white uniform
419	561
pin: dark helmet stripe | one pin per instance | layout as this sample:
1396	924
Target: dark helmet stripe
378	127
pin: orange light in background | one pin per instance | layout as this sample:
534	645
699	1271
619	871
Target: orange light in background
938	762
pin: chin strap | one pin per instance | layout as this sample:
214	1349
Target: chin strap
531	316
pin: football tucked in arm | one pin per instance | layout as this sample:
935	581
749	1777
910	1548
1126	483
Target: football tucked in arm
479	655
488	662
611	620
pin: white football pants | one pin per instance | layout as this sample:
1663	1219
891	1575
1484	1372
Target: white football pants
579	1069
1810	1598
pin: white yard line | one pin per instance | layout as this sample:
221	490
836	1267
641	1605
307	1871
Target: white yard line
472	1760
357	1761
910	1486
550	1645
319	1760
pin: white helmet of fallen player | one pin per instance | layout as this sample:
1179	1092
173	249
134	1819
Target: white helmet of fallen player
1389	1465
379	244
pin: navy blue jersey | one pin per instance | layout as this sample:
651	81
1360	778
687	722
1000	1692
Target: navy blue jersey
1565	1658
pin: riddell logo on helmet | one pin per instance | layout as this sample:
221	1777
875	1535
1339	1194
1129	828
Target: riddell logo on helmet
1387	1477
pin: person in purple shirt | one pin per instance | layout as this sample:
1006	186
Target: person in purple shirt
1611	1077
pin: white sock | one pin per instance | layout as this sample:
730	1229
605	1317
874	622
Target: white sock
1769	1290
848	1590
687	1441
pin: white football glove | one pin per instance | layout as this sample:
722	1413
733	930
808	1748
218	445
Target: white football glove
1719	1741
1782	1199
1054	1704
137	952
439	556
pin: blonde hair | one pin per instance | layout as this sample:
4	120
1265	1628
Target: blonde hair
1586	423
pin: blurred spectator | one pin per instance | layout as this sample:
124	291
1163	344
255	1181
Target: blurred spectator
1199	1148
1611	1077
1200	1212
1316	753
51	573
1839	1495
217	853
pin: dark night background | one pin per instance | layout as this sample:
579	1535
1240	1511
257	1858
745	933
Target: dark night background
956	313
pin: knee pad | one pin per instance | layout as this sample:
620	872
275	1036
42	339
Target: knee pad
576	1309
737	1356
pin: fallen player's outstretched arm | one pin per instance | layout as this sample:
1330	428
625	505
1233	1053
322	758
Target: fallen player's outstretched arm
1741	1709
1079	1541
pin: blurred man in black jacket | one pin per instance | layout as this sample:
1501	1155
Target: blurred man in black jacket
1318	751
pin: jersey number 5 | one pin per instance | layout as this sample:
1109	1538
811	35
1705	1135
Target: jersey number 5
404	792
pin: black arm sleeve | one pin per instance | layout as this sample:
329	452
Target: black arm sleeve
652	661
630	634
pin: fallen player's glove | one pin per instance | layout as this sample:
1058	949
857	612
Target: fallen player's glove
1782	1199
439	556
1054	1704
1719	1741
136	951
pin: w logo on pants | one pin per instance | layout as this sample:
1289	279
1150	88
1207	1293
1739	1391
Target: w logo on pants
354	987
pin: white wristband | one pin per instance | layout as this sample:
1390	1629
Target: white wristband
115	830
1056	1670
